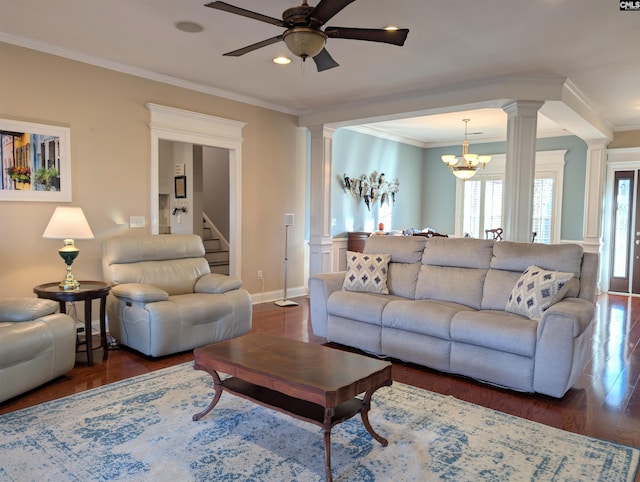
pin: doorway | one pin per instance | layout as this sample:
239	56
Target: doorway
178	125
625	233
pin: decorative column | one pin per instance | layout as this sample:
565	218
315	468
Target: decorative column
517	208
593	194
320	242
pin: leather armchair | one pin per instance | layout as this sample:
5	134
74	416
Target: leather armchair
164	297
36	344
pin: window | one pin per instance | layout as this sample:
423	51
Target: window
542	209
482	206
479	200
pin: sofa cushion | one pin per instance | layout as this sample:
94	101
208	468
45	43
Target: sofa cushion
513	256
458	285
536	290
497	288
363	307
427	317
403	249
495	330
367	272
458	252
402	279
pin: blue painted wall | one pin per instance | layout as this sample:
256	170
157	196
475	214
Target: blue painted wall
355	154
427	188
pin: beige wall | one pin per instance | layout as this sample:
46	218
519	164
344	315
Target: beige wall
624	139
110	157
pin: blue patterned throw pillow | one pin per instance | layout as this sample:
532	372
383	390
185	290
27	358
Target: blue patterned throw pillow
536	290
367	272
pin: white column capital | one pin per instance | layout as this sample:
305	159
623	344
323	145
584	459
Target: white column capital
523	107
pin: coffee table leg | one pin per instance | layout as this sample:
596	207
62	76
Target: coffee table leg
364	413
217	383
328	415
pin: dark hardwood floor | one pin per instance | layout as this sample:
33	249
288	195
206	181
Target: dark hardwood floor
605	403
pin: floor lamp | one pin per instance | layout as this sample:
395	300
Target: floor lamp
288	221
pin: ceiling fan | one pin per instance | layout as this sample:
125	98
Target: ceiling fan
303	34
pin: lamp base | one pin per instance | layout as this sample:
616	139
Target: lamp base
69	252
285	303
69	282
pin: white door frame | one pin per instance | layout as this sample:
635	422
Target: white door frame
168	123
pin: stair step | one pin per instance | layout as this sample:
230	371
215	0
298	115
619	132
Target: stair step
218	256
219	268
212	244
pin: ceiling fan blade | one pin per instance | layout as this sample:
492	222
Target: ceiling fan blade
324	61
326	9
245	13
252	47
395	37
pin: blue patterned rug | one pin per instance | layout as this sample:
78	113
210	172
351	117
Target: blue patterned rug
141	429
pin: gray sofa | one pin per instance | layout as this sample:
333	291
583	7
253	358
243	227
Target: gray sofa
448	307
37	344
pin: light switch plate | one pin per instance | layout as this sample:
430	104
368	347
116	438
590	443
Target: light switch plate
137	222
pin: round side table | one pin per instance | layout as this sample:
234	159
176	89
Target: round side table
88	291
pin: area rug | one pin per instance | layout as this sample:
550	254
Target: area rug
141	429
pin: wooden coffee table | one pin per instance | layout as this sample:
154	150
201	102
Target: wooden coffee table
310	382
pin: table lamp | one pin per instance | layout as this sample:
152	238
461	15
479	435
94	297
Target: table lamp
68	223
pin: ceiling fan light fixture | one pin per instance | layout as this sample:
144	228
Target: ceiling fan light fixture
282	60
304	42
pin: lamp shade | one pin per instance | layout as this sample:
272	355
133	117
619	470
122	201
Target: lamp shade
68	222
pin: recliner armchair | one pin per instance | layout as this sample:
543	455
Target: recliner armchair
164	297
37	344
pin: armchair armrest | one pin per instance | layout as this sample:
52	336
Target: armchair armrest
139	292
26	309
215	283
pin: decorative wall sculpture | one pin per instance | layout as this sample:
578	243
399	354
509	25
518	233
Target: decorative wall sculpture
371	188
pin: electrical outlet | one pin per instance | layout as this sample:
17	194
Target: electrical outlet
137	221
260	275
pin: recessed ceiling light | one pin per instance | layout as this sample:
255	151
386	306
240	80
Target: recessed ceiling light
189	27
391	27
282	60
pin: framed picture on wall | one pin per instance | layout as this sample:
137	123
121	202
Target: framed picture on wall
35	162
180	185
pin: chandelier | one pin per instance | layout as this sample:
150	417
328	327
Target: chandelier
465	167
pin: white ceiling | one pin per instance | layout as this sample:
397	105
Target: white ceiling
589	42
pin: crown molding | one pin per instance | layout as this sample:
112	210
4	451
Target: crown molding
138	72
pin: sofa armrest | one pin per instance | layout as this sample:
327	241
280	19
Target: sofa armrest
564	345
141	292
26	309
576	312
215	283
320	288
